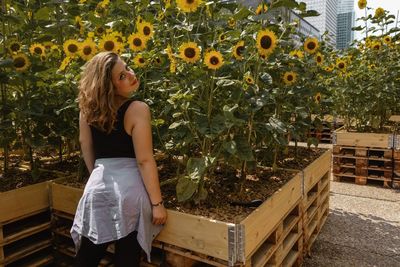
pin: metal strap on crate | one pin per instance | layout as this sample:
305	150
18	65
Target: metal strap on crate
391	141
235	244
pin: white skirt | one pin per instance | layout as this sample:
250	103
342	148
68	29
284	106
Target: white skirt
114	204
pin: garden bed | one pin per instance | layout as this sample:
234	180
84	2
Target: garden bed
220	234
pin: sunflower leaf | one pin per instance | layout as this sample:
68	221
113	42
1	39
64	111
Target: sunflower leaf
185	188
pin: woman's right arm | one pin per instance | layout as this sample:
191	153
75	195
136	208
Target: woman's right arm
85	139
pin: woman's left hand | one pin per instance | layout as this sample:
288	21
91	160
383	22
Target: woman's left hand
159	215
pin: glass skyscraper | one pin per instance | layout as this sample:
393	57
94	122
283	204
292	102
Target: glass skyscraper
345	21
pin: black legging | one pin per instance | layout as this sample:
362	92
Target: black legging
127	252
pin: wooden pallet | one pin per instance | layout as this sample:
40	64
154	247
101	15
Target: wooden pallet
25	225
362	164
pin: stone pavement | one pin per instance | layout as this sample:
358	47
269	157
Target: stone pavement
362	229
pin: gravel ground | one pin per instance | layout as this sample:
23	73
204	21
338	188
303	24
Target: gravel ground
362	229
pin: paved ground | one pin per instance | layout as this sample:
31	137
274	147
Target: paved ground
362	229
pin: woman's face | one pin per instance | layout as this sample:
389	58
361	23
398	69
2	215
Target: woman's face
124	79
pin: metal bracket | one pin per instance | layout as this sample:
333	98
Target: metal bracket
396	141
235	244
334	138
391	141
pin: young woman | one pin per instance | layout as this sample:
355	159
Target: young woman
122	199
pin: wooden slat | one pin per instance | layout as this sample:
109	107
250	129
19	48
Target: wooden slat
65	198
196	233
1	249
345	138
24	200
27	251
261	222
317	169
24	233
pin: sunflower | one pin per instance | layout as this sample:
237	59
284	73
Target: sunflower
137	42
362	4
160	15
48	45
311	45
157	61
328	69
297	53
221	37
146	29
262	8
71	47
248	79
139	61
188	6
119	36
231	22
341	64
387	40
319	59
88	49
372	66
79	24
213	60
379	12
317	98
189	52
238	50
109	43
289	77
100	30
14	46
266	42
21	62
376	45
37	49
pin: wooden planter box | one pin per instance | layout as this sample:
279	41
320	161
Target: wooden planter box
25	225
341	137
363	157
226	243
271	235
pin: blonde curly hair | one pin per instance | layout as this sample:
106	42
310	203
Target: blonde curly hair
97	93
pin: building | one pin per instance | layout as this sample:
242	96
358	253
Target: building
345	21
305	28
327	20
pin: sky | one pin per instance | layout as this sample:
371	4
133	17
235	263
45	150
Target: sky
390	5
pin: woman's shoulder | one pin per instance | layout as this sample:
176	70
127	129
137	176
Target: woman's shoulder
137	107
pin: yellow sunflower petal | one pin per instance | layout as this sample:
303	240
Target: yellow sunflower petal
88	49
37	49
137	42
188	6
238	50
71	47
311	45
289	78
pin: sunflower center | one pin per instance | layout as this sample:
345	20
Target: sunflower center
377	47
15	47
190	52
214	60
141	60
137	42
146	30
38	50
189	2
341	65
100	30
87	50
158	60
72	48
311	45
109	45
290	77
19	62
266	42
319	59
240	50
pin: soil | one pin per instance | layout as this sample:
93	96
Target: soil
225	187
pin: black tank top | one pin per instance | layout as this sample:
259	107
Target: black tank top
116	144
